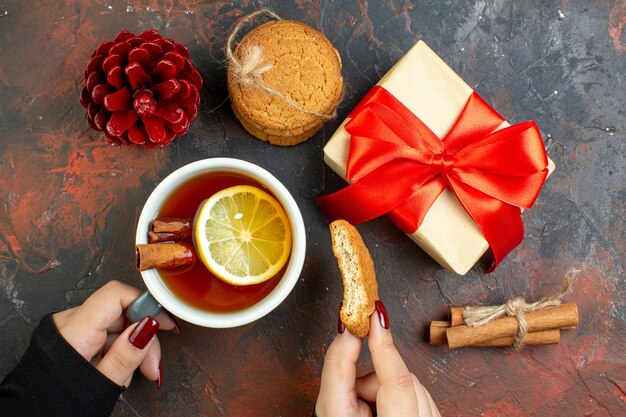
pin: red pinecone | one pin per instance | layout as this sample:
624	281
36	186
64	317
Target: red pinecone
141	89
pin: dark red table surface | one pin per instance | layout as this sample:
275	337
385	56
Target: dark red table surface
70	201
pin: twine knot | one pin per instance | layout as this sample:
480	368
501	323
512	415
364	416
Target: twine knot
515	307
249	67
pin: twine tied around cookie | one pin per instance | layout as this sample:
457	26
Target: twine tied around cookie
249	68
515	307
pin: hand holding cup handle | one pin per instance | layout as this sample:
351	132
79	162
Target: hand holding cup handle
100	332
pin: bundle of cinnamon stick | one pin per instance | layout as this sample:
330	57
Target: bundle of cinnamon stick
169	245
543	328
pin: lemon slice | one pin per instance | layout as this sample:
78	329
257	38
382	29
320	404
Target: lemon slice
242	235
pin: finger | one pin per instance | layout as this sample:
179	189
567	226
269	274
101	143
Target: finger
337	395
367	387
388	364
425	402
339	372
364	410
421	395
111	338
150	365
119	324
97	357
167	322
433	406
339	375
105	306
128	351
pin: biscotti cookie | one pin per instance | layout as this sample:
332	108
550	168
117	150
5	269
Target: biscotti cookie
360	289
304	68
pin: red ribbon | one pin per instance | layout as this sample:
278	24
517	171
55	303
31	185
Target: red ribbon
400	167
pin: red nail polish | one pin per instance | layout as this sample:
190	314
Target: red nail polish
176	326
144	332
381	311
159	376
340	326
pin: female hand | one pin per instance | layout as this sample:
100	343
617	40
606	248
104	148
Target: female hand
98	331
396	391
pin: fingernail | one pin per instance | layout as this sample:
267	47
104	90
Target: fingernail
381	311
340	326
176	326
159	376
143	332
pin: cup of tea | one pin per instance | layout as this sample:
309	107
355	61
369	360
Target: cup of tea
194	293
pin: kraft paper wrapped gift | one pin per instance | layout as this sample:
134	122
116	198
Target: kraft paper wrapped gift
437	96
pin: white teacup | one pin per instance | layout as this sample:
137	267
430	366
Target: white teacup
165	298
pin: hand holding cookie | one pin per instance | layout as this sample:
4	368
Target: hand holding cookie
391	390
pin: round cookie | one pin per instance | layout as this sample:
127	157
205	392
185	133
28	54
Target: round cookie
305	68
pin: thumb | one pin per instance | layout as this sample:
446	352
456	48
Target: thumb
339	372
128	351
337	386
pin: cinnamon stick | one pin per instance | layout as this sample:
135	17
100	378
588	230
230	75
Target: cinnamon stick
565	315
546	337
164	255
456	316
438	332
169	230
457	319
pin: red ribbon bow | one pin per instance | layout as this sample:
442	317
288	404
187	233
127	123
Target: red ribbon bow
400	167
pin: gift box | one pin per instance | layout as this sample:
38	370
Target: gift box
423	148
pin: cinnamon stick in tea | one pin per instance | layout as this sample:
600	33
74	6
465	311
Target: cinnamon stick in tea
565	315
164	255
169	230
546	337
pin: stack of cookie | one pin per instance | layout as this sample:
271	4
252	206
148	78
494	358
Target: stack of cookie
299	89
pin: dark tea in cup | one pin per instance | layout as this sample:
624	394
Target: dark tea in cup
197	285
258	255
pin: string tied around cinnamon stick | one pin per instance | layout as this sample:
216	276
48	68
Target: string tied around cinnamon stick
249	68
515	307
